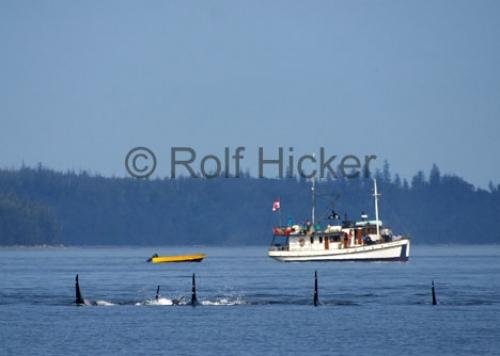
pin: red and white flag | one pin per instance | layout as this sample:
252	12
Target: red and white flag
276	205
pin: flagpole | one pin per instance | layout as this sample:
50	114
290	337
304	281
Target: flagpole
279	211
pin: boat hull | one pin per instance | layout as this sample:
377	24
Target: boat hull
389	251
180	258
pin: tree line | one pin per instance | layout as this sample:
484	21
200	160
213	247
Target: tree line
43	206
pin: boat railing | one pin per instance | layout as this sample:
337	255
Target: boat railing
278	247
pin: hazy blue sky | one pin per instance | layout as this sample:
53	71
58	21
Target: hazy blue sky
415	82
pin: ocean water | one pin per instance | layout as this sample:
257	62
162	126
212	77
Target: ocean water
250	304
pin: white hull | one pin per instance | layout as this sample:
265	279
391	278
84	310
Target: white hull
398	250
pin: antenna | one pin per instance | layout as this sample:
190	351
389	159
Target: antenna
313	187
376	196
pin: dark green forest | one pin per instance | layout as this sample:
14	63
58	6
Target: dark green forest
42	206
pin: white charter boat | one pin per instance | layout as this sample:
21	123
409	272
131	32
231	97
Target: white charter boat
364	240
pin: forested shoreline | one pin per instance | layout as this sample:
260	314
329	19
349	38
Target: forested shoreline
42	206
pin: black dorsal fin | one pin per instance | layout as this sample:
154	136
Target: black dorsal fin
78	294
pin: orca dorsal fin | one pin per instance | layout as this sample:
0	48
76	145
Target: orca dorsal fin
316	297
78	293
434	299
157	293
194	299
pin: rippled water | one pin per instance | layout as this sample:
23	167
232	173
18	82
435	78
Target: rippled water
249	304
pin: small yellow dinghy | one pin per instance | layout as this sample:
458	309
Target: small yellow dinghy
195	257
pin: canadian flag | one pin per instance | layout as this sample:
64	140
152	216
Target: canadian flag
276	205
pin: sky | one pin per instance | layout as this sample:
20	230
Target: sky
413	82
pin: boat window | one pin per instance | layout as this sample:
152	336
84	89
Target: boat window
312	239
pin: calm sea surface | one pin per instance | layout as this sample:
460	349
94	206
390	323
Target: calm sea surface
250	304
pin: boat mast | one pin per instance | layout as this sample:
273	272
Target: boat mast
376	196
313	200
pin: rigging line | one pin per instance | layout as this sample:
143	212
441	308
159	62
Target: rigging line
395	217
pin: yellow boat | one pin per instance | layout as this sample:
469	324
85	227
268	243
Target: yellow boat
195	257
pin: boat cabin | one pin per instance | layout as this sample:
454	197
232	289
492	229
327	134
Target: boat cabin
347	234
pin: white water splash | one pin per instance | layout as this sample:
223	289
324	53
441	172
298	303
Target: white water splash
223	301
160	301
103	303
